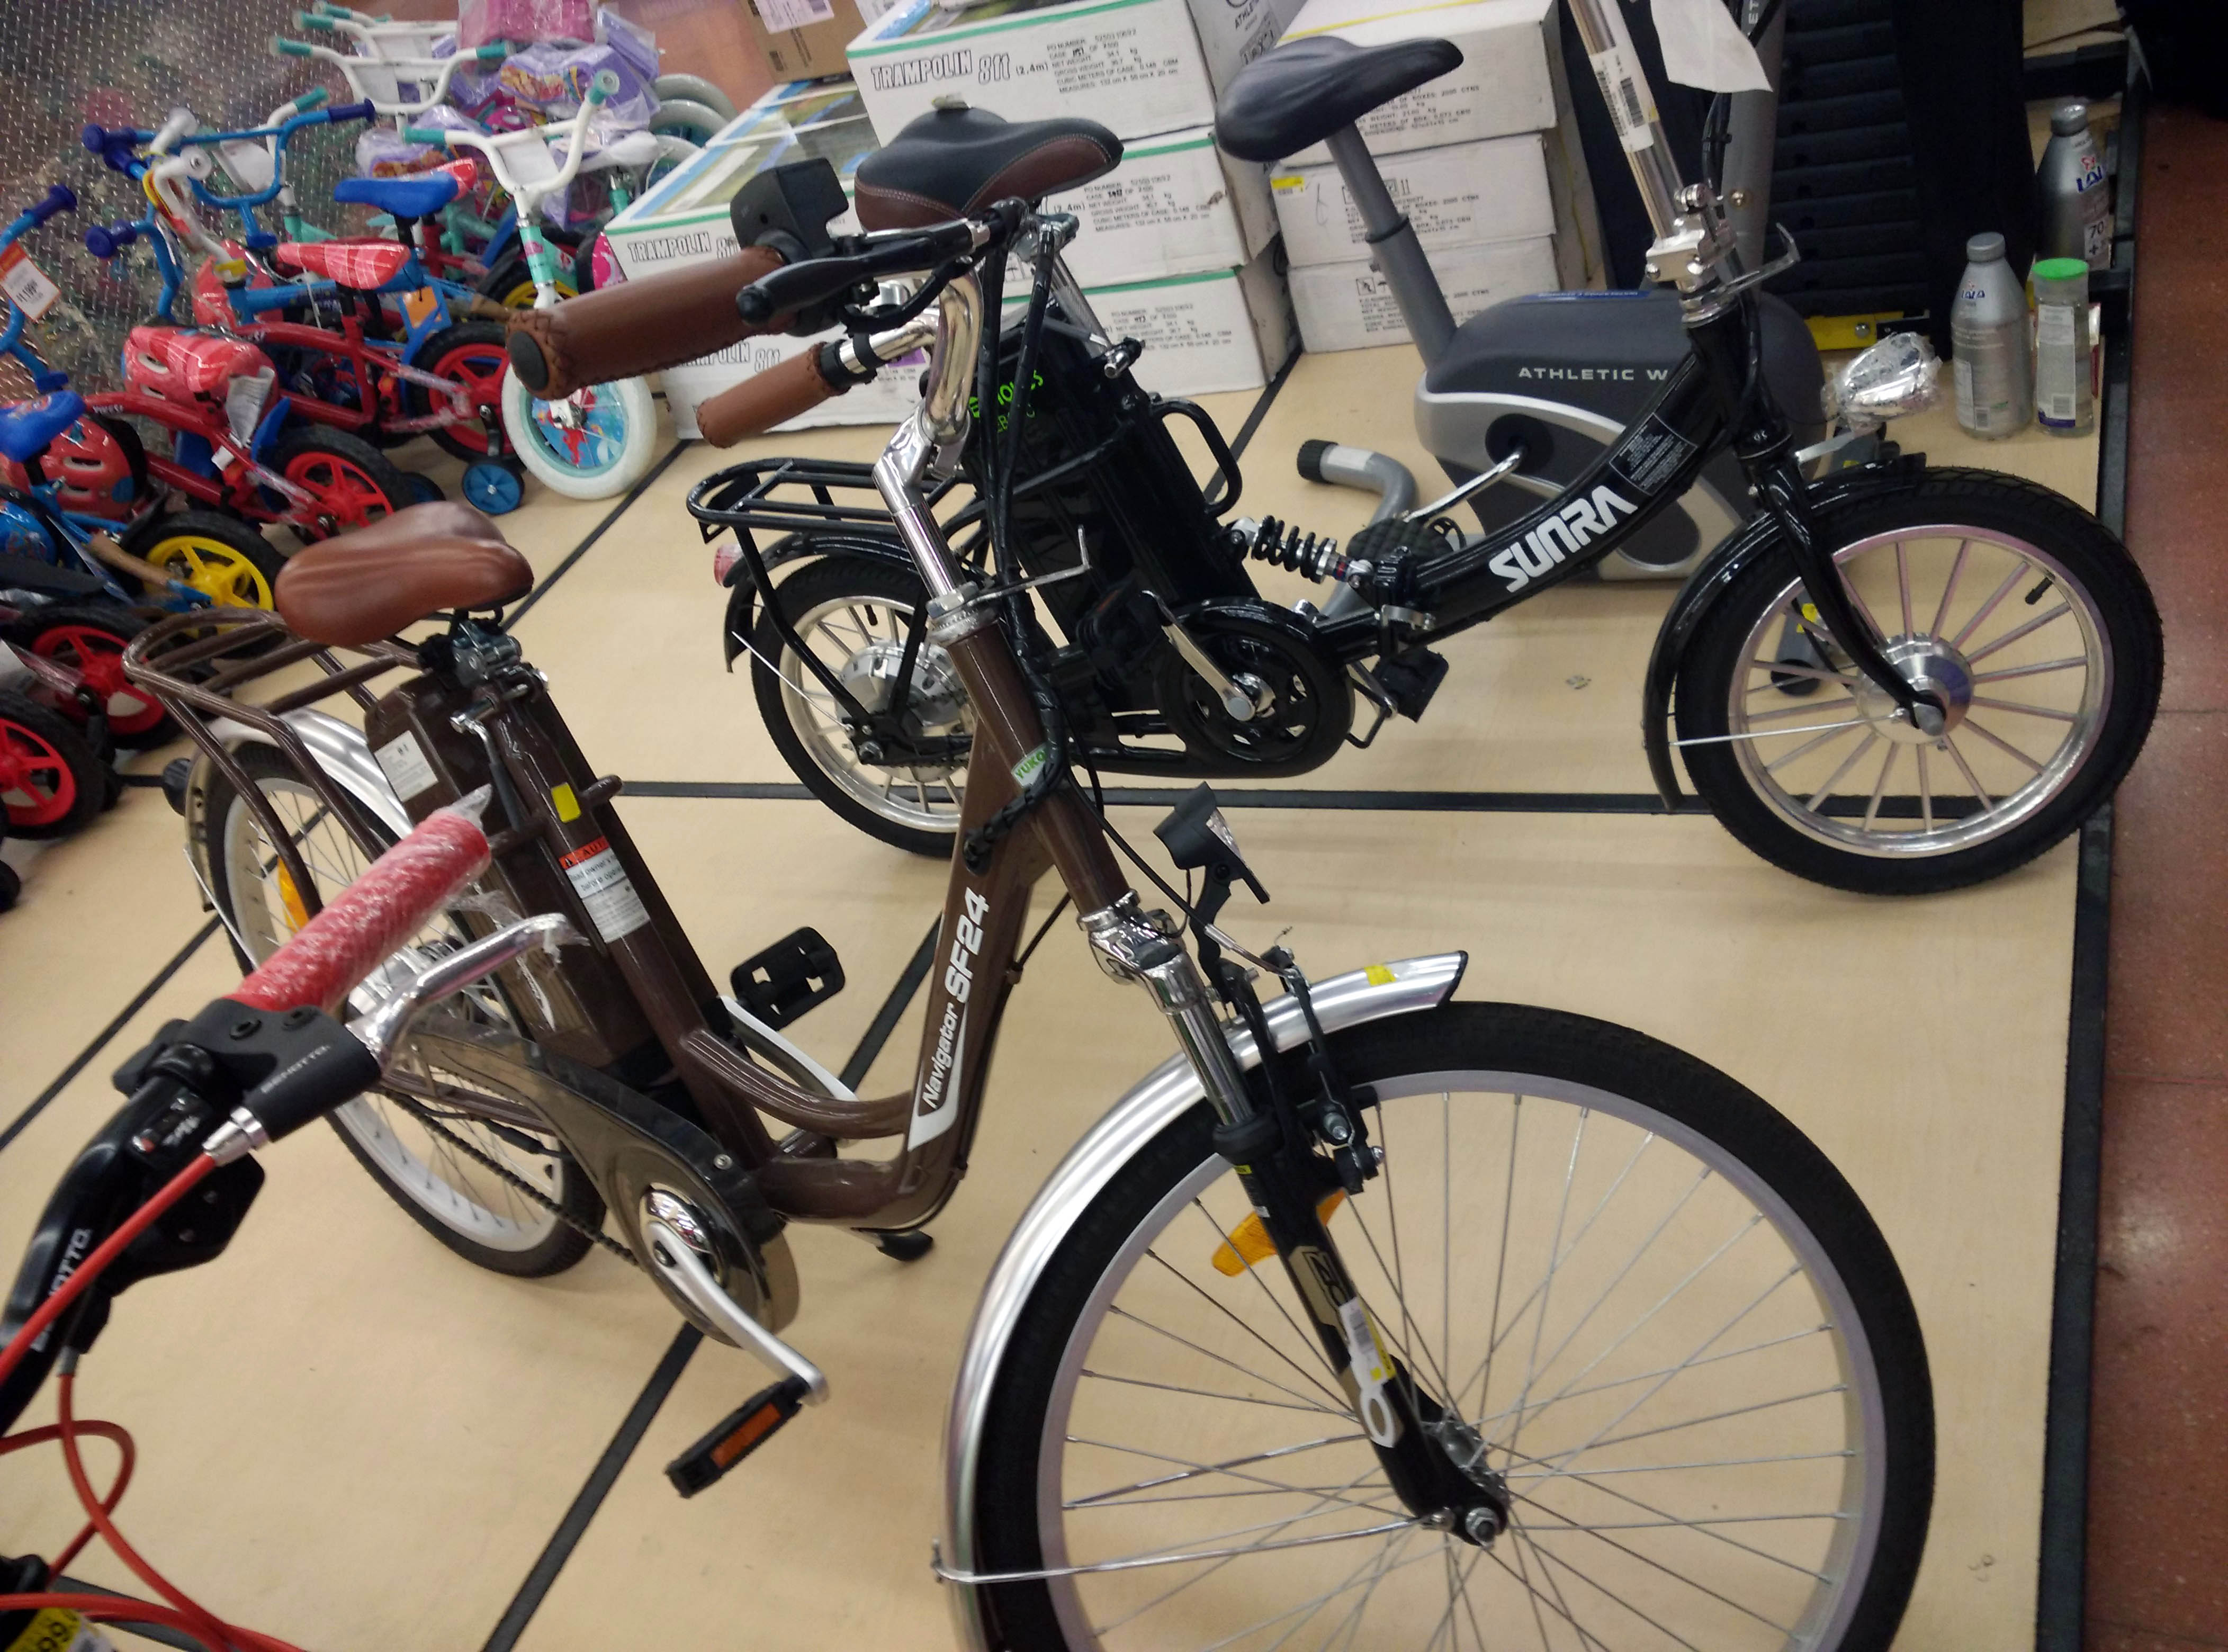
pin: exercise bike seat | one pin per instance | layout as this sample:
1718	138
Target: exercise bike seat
1305	90
420	196
423	560
950	163
26	428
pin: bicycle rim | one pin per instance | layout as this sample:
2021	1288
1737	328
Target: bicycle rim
856	637
1995	626
1660	1356
422	1149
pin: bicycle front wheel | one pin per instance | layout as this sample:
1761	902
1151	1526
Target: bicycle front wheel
1676	1330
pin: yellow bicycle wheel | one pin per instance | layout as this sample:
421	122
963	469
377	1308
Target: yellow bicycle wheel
225	560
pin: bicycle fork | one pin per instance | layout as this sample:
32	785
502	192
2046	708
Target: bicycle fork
1433	1459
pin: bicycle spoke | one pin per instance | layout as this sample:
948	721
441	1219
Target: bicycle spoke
2000	744
1950	588
1989	606
1298	1370
1903	585
2006	673
1118	1311
1848	763
2024	710
1965	768
2013	634
1872	808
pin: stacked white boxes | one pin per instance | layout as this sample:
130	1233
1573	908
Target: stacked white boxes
1484	161
1175	247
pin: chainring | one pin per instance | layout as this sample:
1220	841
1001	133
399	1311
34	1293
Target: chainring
1307	705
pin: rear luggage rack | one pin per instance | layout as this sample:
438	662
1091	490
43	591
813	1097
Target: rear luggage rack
197	663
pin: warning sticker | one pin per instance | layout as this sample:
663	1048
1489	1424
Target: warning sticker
402	761
27	286
605	889
1651	455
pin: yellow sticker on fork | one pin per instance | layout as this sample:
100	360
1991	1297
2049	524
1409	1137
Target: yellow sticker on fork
1378	975
567	804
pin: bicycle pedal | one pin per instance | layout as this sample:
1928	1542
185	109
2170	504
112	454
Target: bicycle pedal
798	972
738	1434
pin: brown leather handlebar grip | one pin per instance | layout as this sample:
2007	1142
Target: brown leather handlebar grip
765	400
637	327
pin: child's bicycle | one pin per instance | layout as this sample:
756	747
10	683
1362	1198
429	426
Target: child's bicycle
82	513
320	309
597	441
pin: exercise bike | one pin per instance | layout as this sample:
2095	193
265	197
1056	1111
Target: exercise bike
1889	679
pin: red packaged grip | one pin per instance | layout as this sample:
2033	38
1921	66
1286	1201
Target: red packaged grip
371	919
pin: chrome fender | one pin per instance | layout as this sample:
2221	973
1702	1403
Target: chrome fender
1163	1095
339	750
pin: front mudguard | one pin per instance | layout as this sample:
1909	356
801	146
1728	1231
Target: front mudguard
1756	539
743	591
1164	1095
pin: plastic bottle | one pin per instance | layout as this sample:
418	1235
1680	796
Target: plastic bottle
1989	362
2063	399
2076	202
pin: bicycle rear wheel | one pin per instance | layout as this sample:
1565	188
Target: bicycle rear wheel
1676	1329
500	1193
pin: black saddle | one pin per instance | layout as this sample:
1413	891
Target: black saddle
1305	90
950	163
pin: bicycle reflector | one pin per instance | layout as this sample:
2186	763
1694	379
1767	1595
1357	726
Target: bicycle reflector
735	1436
1249	1246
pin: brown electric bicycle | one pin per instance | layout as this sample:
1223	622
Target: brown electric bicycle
1370	1318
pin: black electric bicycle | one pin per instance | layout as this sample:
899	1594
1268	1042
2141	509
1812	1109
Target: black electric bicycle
1893	679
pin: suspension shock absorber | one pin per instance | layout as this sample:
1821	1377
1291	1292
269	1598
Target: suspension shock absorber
1283	545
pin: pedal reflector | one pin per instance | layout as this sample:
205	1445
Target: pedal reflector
738	1434
1248	1244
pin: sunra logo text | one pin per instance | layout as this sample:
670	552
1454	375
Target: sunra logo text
1565	533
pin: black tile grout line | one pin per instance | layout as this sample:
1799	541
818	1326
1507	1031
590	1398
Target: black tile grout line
1395	801
2061	1588
541	589
591	1496
84	1057
636	1424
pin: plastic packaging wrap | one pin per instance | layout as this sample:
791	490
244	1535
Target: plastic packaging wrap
402	891
554	80
480	22
381	153
1898	375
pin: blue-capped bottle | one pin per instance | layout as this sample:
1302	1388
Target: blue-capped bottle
2077	200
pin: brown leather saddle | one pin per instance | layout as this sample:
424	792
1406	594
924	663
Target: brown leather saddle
423	560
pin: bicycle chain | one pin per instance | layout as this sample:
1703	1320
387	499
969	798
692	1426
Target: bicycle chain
488	1162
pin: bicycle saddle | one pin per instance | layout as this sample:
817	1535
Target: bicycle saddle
1305	90
27	427
950	163
412	197
363	264
422	560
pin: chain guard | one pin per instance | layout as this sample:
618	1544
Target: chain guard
628	1146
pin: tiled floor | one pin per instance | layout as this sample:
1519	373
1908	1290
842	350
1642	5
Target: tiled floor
353	1439
2158	1575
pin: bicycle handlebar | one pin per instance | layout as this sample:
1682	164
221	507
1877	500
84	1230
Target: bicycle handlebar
105	241
58	198
637	327
574	132
404	890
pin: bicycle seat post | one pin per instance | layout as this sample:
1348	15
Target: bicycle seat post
1392	245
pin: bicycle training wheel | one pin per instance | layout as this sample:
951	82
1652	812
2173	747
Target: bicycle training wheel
1658	1308
495	1192
2018	608
854	615
606	451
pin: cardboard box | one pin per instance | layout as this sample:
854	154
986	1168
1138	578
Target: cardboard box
1140	67
1509	80
1349	306
894	393
1175	206
803	40
1228	330
1455	195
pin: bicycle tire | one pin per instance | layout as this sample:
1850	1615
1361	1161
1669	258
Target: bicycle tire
1023	1505
1995	522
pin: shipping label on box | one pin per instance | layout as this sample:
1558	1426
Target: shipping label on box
1505	82
803	40
1133	65
1455	195
1175	206
1346	306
